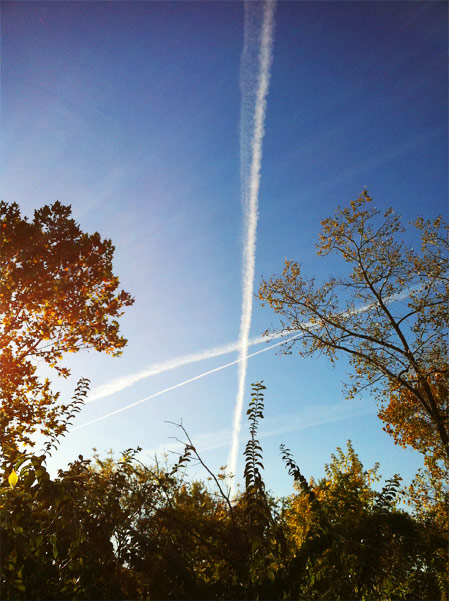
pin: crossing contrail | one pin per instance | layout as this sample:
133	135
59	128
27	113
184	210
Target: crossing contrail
255	78
282	334
119	384
184	382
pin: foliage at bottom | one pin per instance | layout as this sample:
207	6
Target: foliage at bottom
118	529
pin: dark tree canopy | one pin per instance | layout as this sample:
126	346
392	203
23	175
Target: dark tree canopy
123	530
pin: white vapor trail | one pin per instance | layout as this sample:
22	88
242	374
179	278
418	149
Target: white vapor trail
207	354
157	368
253	110
198	377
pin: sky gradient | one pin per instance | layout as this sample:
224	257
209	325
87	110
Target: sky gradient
130	112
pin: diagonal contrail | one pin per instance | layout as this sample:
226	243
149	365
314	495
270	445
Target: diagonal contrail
183	383
253	112
282	333
123	382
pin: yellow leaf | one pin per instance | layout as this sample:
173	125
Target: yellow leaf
13	478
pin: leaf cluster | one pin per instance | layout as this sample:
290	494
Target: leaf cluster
119	529
58	295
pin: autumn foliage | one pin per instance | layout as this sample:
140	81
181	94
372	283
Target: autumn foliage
120	529
58	294
388	313
409	424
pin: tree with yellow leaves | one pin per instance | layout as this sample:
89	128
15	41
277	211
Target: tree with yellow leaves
389	313
58	294
350	541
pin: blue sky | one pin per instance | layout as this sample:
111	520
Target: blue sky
129	111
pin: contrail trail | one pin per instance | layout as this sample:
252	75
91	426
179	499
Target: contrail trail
158	368
283	333
198	377
252	122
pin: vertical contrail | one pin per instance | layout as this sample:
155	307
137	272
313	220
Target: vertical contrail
255	78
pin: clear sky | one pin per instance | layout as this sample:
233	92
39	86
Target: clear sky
129	111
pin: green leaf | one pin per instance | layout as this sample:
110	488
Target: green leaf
55	548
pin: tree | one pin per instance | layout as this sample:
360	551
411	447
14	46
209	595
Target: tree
352	542
118	529
57	534
389	314
58	294
410	426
